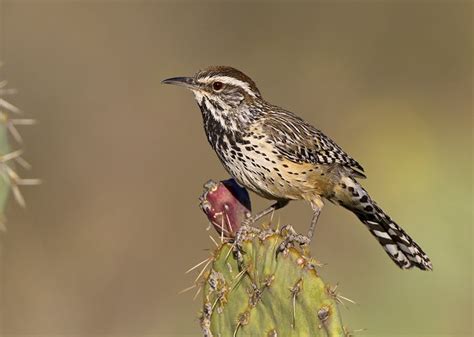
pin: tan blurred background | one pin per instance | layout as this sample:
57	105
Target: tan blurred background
102	248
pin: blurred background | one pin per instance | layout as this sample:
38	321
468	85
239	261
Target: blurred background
103	244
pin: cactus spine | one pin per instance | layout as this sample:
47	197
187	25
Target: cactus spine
9	179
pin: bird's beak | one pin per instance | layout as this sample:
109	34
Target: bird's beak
187	82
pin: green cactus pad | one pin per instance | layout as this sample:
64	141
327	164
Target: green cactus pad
251	290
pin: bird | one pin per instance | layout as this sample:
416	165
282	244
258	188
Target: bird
281	157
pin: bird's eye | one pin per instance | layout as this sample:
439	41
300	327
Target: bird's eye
217	86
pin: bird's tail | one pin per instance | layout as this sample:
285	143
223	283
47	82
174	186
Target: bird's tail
401	248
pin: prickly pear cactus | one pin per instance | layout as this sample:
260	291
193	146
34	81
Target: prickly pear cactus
261	283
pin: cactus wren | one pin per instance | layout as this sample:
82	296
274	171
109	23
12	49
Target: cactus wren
279	156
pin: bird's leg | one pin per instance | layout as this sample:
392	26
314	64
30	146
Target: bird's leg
252	219
317	204
293	238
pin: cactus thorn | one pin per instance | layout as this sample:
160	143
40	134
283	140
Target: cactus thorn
213	241
229	267
332	291
8	106
185	290
313	263
197	293
242	321
351	333
197	265
238	278
230	251
295	290
271	216
203	270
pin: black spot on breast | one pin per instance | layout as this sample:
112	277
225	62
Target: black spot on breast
224	146
369	208
364	198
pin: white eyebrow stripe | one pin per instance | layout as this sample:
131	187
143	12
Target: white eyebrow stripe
231	80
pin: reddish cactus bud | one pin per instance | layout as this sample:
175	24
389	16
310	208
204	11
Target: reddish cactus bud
226	205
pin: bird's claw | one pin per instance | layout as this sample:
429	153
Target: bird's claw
248	222
291	238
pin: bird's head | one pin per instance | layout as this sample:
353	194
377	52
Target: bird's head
221	89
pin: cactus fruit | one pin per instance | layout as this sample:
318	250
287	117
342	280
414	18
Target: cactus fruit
262	283
226	204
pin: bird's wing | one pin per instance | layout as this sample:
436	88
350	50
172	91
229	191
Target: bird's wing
300	142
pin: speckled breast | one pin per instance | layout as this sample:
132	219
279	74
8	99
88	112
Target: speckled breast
258	166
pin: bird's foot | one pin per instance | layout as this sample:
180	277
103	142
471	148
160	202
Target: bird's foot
291	239
248	221
245	231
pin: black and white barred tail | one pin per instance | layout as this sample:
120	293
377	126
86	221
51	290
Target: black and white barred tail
401	248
